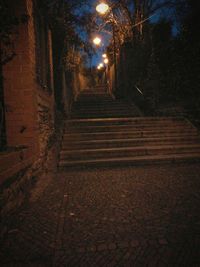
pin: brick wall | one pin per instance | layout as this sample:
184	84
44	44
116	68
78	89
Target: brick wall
19	88
23	95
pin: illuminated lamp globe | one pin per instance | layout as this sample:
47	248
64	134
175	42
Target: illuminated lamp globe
102	8
106	61
97	41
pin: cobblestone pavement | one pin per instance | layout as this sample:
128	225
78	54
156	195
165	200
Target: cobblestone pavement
131	216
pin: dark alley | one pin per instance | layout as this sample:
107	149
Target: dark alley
99	133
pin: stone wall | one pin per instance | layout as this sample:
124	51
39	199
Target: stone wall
24	97
19	88
30	112
17	190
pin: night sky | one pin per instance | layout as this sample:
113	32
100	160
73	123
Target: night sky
97	58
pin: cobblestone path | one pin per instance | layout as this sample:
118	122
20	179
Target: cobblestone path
133	216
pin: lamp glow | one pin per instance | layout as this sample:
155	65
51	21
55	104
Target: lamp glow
101	65
104	56
106	61
102	8
97	41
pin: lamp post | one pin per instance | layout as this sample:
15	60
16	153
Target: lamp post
102	9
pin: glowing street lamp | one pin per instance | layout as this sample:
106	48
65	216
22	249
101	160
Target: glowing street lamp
104	56
106	61
97	41
100	66
102	8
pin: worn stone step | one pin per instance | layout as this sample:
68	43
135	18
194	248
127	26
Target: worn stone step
92	103
128	134
133	161
87	116
103	111
128	151
114	128
129	142
97	98
109	127
101	103
126	120
95	93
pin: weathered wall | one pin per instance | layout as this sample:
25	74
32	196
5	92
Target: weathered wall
29	109
19	87
19	91
29	117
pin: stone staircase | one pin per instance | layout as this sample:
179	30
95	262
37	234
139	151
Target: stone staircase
99	104
111	132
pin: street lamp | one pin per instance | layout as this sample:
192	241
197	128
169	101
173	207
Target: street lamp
97	41
106	61
104	56
102	8
101	65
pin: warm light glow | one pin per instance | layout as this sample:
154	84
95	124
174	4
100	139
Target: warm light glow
106	61
104	56
102	8
97	41
100	66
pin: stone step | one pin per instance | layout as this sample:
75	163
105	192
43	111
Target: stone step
95	92
96	98
92	101
111	115
134	119
98	108
128	151
100	102
148	125
104	131
129	142
133	161
114	128
103	111
128	134
126	121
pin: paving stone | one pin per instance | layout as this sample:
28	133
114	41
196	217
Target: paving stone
102	247
158	231
124	244
92	249
135	243
81	250
163	242
112	246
